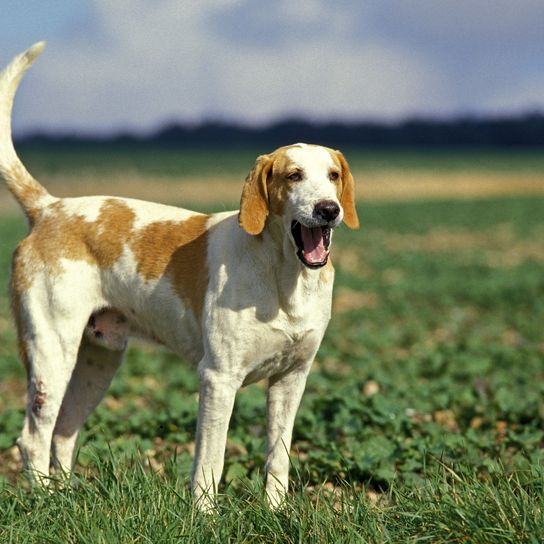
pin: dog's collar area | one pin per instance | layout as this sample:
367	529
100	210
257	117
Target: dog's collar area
312	244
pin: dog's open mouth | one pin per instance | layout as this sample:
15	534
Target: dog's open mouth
312	244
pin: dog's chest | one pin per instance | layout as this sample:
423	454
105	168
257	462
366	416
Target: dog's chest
288	340
284	353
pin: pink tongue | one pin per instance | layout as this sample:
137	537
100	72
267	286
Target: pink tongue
314	246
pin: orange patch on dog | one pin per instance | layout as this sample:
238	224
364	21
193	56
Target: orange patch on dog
278	184
22	268
265	189
346	190
19	326
254	203
177	249
58	235
26	190
110	232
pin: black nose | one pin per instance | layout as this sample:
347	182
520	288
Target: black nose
327	210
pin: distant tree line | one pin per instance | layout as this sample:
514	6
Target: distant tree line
522	131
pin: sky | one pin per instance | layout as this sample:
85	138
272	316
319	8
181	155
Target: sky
135	65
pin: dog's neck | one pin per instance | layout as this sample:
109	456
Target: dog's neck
273	252
291	274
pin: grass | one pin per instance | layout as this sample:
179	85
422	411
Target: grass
423	419
130	505
166	174
164	161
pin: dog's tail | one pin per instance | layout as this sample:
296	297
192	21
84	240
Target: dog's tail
29	193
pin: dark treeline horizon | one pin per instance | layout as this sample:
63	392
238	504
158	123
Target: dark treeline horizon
513	131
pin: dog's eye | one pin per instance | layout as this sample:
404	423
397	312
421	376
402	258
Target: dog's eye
333	176
295	176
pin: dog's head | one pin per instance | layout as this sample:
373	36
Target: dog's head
311	188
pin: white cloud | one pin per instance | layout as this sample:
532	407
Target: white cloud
525	96
327	83
136	64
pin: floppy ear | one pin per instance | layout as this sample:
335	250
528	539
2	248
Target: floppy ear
254	202
347	198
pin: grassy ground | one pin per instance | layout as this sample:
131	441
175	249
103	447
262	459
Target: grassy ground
196	176
423	419
155	161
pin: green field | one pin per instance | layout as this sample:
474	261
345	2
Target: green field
423	419
108	159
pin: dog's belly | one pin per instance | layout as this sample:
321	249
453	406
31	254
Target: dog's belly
153	310
111	328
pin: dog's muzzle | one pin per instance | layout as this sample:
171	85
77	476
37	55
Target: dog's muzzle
312	244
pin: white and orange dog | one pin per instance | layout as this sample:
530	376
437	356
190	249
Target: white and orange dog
243	295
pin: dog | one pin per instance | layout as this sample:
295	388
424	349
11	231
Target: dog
243	295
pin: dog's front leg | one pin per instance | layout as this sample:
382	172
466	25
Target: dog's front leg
217	393
283	399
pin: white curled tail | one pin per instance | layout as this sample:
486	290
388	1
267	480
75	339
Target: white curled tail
29	193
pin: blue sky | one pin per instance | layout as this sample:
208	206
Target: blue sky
115	65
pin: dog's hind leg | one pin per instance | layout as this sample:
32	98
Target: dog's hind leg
51	314
96	367
51	355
